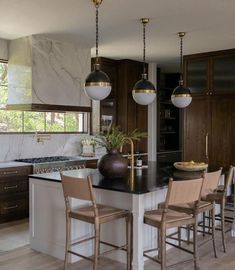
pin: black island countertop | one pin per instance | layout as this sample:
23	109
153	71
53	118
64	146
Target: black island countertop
144	180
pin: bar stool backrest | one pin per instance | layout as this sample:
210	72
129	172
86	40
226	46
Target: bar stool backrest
78	188
229	177
183	191
211	182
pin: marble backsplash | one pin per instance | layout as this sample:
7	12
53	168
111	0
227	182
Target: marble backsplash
15	146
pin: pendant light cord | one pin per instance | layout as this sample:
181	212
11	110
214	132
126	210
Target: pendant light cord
97	34
181	58
144	47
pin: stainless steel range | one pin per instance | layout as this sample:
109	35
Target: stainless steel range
53	164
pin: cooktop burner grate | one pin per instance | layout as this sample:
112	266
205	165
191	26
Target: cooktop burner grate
44	159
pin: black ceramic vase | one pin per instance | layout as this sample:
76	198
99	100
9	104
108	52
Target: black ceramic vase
113	165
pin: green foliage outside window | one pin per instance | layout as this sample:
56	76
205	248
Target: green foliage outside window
3	85
34	121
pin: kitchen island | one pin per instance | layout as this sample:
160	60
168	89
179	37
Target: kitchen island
143	190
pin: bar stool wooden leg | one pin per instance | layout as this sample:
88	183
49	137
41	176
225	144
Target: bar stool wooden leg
99	243
67	244
96	244
128	243
195	254
222	223
159	244
213	229
210	224
179	236
163	248
203	223
188	234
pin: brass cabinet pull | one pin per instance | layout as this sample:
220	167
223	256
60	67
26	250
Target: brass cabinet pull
11	172
11	207
11	187
207	145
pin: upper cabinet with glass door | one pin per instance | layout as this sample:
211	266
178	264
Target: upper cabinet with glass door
223	78
210	73
196	74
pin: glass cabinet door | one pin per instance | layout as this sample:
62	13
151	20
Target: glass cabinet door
197	75
223	74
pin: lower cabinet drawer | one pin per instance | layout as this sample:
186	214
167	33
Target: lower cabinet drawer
91	163
14	208
13	186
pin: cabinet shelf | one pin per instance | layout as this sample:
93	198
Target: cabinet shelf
167	118
167	132
167	102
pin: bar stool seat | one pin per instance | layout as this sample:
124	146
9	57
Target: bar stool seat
171	217
105	213
187	207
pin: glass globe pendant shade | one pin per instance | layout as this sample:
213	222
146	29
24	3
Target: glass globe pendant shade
144	91
97	85
181	96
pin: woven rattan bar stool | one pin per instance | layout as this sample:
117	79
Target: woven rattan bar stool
210	184
179	192
220	197
97	214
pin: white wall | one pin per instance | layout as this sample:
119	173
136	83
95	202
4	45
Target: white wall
152	117
3	49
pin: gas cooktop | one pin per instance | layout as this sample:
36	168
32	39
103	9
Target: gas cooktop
44	159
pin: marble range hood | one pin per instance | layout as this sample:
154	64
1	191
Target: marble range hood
45	74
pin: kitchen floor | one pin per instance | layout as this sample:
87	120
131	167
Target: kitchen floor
14	235
26	259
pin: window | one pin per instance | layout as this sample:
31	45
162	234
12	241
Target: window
31	121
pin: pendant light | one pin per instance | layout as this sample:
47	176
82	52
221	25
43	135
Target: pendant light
97	84
181	96
144	91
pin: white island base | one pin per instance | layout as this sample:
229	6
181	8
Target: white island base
47	221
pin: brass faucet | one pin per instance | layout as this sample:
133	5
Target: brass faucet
40	138
132	153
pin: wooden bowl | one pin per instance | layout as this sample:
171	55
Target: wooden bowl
186	166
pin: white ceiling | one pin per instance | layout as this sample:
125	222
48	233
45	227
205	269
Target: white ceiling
209	25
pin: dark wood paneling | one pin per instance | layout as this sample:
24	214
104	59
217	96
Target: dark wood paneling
222	151
220	96
196	127
130	115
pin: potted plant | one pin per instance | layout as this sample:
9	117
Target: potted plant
113	164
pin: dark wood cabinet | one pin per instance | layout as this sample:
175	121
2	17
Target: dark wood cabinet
130	115
14	193
91	163
196	130
108	110
209	120
119	108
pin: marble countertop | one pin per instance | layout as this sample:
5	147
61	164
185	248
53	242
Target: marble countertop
11	164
